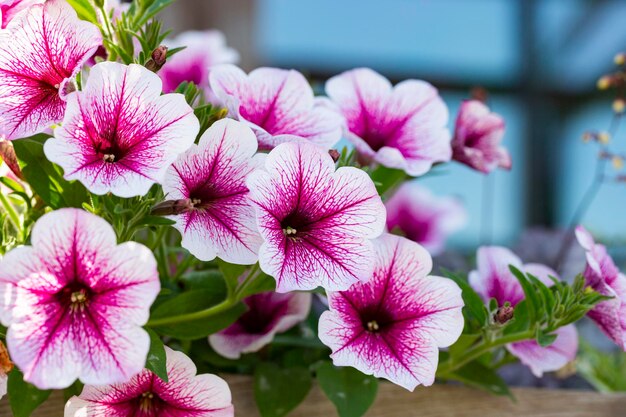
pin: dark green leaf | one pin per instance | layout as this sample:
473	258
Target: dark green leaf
261	283
464	342
351	391
386	179
156	361
24	397
545	339
533	302
157	221
473	303
478	375
73	390
278	391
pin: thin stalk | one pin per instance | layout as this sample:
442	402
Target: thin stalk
13	216
202	314
254	272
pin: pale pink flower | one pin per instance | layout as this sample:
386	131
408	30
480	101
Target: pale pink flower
493	279
277	104
423	217
400	127
477	137
203	49
146	395
41	51
220	219
268	314
393	325
9	9
317	224
74	302
603	276
120	134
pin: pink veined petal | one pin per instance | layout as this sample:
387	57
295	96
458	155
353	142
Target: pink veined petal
222	222
551	358
277	104
493	279
268	315
40	51
120	115
336	213
10	9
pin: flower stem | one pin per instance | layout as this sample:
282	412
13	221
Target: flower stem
13	216
196	315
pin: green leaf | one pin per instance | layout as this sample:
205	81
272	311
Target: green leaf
157	221
545	339
473	303
261	283
351	391
45	178
85	10
24	397
533	301
478	375
278	391
156	361
464	342
231	273
386	179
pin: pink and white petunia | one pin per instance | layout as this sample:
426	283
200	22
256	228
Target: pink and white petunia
393	325
219	219
424	218
277	104
493	279
477	137
317	223
74	302
268	314
401	127
41	51
203	49
120	134
9	9
146	395
603	276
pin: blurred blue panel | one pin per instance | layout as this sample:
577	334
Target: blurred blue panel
460	40
606	215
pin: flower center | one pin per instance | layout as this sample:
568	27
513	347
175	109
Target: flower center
295	225
78	300
375	319
288	231
75	296
372	326
146	402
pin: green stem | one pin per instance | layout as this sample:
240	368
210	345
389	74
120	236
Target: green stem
477	351
13	216
202	314
254	272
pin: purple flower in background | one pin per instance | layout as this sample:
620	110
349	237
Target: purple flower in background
493	279
277	104
316	223
424	218
392	325
477	138
41	50
74	302
9	9
602	275
120	134
146	395
203	49
268	314
220	219
400	127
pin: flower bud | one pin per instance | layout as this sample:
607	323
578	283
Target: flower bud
99	3
504	314
172	207
334	154
158	59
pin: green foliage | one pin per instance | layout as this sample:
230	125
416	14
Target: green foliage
156	360
278	391
387	179
85	10
206	113
24	397
606	371
477	375
351	391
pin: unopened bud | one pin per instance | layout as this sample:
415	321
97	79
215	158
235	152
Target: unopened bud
504	314
620	59
619	105
604	137
604	82
158	59
7	154
172	207
99	3
334	154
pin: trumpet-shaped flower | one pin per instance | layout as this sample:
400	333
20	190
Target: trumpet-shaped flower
400	127
268	314
41	50
392	325
477	138
277	104
74	302
9	9
220	219
120	134
493	279
316	223
203	49
146	395
602	275
424	218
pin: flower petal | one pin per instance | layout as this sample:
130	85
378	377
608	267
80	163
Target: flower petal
493	279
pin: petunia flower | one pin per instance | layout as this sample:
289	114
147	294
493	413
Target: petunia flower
74	302
316	223
424	218
400	127
146	395
120	134
277	104
203	49
603	276
9	9
392	325
493	279
477	138
220	219
41	51
268	314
